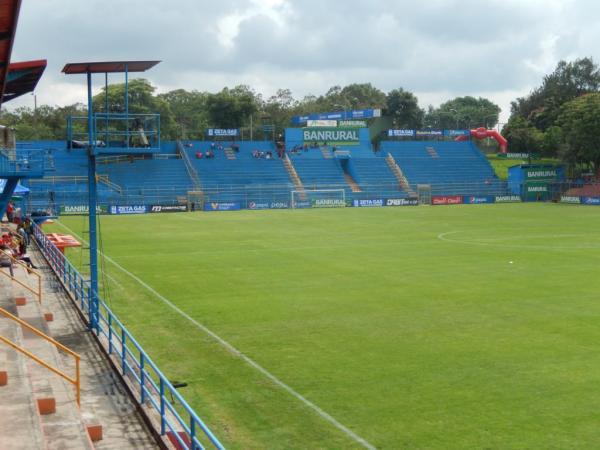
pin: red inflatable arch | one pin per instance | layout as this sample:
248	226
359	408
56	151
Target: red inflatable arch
482	133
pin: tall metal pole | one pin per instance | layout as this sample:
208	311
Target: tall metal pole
127	104
92	201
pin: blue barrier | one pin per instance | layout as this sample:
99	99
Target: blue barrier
153	386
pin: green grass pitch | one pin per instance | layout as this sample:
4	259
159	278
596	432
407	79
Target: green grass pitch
460	327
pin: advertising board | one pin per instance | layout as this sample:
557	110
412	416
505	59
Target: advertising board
446	199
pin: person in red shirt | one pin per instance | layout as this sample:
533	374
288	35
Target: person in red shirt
10	211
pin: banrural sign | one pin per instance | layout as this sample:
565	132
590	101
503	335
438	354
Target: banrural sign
80	210
331	135
546	173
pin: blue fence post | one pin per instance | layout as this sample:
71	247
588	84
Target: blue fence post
193	431
90	312
110	332
142	379
162	406
123	352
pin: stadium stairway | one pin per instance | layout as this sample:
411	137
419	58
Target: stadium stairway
449	167
46	415
287	163
404	184
352	183
326	152
230	153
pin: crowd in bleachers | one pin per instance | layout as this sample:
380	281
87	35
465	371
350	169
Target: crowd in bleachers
14	243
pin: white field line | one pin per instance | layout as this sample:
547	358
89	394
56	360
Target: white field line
328	417
499	242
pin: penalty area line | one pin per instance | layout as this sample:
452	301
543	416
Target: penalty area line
323	414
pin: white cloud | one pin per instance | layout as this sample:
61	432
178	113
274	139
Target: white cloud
438	49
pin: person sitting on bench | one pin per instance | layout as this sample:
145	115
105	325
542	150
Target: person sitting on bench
6	259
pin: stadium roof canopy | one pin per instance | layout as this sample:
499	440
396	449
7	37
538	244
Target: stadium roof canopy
22	78
108	67
9	14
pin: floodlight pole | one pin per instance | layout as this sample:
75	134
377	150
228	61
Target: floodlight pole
92	202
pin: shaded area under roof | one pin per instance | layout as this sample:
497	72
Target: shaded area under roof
108	67
9	14
22	78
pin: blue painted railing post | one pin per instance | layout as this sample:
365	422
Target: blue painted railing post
110	333
123	352
162	406
193	432
142	379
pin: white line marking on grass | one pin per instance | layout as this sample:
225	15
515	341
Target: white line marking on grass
497	242
328	417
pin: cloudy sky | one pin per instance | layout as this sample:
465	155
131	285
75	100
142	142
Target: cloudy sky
438	49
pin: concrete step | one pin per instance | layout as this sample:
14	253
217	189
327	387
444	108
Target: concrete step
105	400
20	426
64	428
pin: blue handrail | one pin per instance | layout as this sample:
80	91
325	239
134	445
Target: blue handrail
153	386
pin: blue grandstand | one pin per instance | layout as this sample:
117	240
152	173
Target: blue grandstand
449	167
241	172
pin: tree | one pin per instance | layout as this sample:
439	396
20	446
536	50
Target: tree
189	112
522	136
404	109
232	108
362	96
141	100
464	112
279	109
568	81
580	121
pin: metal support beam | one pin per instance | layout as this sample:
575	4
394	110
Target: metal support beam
92	200
7	193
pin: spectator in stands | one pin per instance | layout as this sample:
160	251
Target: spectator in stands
23	234
235	147
10	209
199	155
5	259
269	155
209	154
28	227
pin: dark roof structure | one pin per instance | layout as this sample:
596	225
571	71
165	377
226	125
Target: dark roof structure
22	78
9	15
108	67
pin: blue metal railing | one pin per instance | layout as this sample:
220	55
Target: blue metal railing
120	130
26	164
152	386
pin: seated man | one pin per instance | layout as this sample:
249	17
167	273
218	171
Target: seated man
5	259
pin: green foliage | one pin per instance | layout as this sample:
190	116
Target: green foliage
567	82
522	136
404	109
580	123
232	108
463	113
189	112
